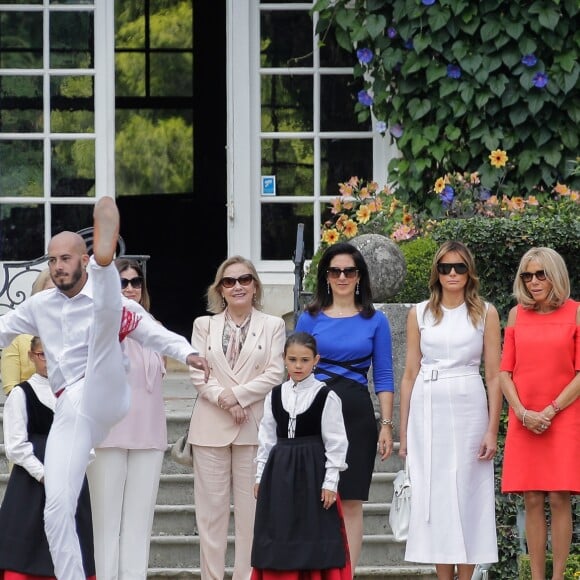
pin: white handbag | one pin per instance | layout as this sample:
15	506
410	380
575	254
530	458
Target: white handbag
400	511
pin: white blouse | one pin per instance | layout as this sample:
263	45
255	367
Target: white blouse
297	398
18	447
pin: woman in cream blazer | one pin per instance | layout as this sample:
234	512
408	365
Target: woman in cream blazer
244	349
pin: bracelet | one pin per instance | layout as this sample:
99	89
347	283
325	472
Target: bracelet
556	407
388	422
524	417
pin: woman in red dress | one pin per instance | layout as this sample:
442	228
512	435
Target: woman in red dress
540	379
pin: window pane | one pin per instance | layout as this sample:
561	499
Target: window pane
341	159
21	168
286	39
71	1
154	152
20	104
130	74
130	25
337	100
287	103
72	108
279	226
332	55
21	39
172	74
171	27
292	162
21	232
71	40
71	217
73	168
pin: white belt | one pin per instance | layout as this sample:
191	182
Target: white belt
430	375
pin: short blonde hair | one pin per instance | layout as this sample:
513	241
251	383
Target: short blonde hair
42	282
556	272
215	300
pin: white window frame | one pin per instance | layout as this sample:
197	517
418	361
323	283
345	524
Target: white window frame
244	137
104	103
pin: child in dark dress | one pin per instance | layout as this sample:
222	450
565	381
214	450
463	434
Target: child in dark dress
302	444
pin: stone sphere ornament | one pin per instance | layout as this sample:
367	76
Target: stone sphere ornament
386	264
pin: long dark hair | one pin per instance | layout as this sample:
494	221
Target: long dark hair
323	297
123	264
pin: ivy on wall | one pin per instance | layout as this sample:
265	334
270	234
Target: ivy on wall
450	80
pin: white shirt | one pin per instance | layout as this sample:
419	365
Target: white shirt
18	448
64	326
297	398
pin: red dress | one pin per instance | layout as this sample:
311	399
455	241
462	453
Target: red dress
542	351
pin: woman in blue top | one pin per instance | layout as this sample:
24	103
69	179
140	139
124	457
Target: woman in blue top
352	336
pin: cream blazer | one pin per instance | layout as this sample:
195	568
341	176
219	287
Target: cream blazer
259	368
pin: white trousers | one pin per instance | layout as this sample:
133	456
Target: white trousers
84	414
123	485
221	473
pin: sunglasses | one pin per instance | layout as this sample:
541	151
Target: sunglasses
348	272
136	282
229	282
446	267
39	354
527	276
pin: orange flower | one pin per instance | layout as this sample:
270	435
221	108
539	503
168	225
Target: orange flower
575	196
330	236
373	186
345	189
364	193
516	203
353	181
372	205
498	158
492	200
348	205
561	189
532	200
474	178
363	214
439	185
343	218
407	218
350	229
336	205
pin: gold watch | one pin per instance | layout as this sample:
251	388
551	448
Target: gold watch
388	422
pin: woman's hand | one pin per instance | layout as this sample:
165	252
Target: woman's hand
227	399
536	422
256	489
240	416
328	498
488	447
385	441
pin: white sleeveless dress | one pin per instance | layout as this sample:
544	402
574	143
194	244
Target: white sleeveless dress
453	497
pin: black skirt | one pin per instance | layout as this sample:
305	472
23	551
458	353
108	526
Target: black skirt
361	429
292	530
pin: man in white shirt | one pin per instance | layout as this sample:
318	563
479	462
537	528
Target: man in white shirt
81	323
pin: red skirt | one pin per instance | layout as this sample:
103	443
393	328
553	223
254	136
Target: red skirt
344	573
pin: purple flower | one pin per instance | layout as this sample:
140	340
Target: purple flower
427	2
447	196
453	71
364	98
380	127
409	44
484	194
391	32
396	130
364	55
540	80
529	59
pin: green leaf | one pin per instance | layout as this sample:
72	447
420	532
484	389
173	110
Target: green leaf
514	29
498	84
459	49
437	151
471	63
419	109
552	156
511	57
438	18
525	160
447	88
527	44
343	39
452	132
481	99
518	115
418	143
431	133
569	136
535	103
345	18
434	72
489	31
376	24
567	61
466	91
542	136
571	80
549	16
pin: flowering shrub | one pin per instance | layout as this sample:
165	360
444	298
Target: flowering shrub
465	194
364	208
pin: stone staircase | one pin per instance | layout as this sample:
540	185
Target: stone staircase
174	551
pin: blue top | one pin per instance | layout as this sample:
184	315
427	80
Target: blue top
360	341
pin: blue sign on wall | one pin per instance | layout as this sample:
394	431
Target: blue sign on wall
268	185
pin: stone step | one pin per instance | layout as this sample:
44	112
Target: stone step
170	551
406	572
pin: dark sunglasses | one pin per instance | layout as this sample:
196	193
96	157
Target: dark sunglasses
229	282
348	272
446	267
39	354
527	276
136	282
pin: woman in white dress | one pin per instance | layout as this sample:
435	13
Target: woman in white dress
448	424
